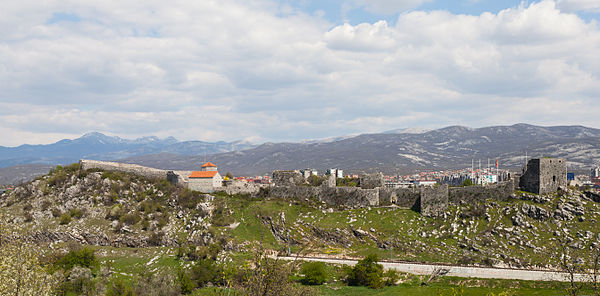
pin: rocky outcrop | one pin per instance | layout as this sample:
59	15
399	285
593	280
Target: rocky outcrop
568	210
535	212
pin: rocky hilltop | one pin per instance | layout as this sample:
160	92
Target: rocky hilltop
106	208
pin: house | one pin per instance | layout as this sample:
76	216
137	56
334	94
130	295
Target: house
205	180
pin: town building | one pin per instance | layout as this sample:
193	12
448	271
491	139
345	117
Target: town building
206	180
306	173
335	172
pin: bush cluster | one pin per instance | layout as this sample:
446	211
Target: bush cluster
83	257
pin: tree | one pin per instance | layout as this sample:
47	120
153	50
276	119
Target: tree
21	272
467	182
314	273
270	277
367	272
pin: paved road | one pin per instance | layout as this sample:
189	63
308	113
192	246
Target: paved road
460	271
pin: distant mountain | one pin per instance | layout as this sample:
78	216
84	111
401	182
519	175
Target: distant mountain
446	148
102	147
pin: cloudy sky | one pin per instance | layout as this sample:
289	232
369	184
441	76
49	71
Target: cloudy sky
268	70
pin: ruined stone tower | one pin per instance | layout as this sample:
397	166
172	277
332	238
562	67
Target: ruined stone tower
544	175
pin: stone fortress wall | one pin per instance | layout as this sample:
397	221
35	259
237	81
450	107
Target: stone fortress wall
176	177
429	201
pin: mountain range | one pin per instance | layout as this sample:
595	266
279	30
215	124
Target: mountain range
102	147
393	152
396	152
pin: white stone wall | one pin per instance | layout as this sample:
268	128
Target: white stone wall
123	167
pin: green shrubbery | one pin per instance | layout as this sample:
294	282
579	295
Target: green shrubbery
314	273
83	257
346	181
65	219
367	272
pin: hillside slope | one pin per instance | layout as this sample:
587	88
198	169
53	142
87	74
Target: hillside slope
122	210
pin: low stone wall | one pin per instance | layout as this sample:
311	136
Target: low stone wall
179	178
240	187
334	196
471	194
124	167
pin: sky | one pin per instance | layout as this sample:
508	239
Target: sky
268	70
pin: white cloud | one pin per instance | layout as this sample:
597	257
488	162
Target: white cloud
579	5
225	70
389	7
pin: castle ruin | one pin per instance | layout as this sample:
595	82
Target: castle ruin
544	175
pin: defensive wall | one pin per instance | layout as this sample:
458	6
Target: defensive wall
179	178
429	201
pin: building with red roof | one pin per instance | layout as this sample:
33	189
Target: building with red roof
205	180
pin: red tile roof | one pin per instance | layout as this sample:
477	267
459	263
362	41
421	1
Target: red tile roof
209	164
203	174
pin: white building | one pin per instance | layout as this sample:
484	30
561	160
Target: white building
336	172
486	179
205	180
426	183
309	172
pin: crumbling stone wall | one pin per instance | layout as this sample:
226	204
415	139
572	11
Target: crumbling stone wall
240	187
472	194
371	181
544	175
334	196
287	178
402	197
433	200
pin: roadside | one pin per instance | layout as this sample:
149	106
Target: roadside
458	271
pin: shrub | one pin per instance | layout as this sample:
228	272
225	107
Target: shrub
76	213
115	213
346	181
467	182
205	271
58	178
27	207
56	212
45	205
28	217
83	257
130	219
161	283
155	238
391	277
314	273
367	272
163	220
65	219
185	282
221	215
119	288
188	198
145	224
315	180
